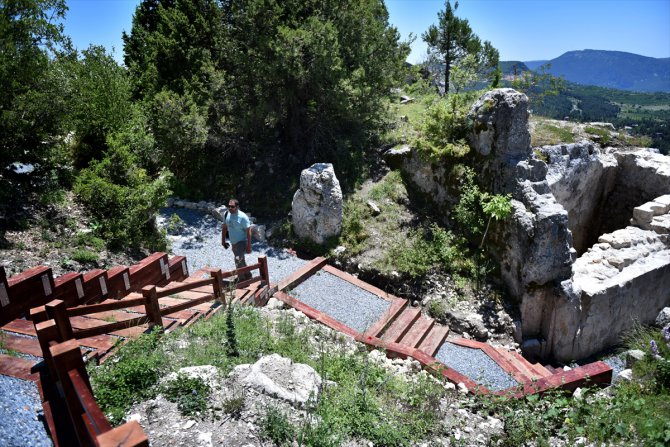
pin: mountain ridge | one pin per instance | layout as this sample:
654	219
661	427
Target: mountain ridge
611	69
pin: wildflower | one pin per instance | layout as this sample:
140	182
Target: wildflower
666	332
654	347
194	392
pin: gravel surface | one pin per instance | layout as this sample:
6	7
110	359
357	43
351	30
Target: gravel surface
476	365
21	416
616	362
348	304
200	241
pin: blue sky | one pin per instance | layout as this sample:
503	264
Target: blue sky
520	29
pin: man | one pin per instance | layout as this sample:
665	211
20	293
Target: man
238	227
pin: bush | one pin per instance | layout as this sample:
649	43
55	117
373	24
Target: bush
84	256
444	131
122	198
189	393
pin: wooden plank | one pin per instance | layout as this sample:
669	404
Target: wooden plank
69	288
21	326
467	343
418	332
434	339
509	364
30	346
107	305
402	324
389	316
102	342
129	434
302	274
31	288
149	271
177	287
95	286
118	281
17	367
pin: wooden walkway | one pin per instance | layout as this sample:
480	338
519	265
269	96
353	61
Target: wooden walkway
403	331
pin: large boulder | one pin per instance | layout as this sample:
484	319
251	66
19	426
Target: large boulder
317	205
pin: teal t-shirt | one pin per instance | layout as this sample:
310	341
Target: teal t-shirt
238	224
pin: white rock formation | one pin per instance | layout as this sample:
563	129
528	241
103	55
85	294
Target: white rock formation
317	205
280	378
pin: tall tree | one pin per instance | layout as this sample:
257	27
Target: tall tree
453	43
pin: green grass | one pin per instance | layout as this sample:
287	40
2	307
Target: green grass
84	256
633	413
362	401
603	135
549	134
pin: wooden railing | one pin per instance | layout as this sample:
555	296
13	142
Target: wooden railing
89	422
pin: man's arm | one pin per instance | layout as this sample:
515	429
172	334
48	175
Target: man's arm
224	230
249	239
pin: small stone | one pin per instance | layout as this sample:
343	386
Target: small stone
663	317
578	394
633	356
462	389
189	424
624	376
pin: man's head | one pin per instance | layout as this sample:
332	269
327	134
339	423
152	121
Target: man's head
233	206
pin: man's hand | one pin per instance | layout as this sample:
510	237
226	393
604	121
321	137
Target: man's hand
225	245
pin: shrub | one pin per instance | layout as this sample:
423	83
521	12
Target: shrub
121	197
189	393
444	131
276	427
84	256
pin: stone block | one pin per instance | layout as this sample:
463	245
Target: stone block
643	213
661	224
633	356
663	317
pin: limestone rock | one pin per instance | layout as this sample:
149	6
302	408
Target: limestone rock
663	317
395	157
633	356
279	377
317	205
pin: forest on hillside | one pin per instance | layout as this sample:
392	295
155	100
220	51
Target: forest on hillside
211	91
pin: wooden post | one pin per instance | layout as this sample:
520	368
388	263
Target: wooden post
67	356
129	434
56	309
218	283
47	333
151	306
38	314
263	261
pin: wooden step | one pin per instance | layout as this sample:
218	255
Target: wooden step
432	342
21	326
402	324
24	345
418	332
522	371
396	308
17	367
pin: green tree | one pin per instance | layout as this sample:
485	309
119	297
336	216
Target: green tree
538	84
452	41
32	102
496	206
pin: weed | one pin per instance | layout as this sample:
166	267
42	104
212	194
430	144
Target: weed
189	393
84	256
437	309
84	239
231	338
234	405
603	135
547	134
174	224
276	427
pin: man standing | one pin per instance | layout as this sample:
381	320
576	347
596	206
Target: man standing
238	227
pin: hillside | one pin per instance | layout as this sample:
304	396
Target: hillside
613	69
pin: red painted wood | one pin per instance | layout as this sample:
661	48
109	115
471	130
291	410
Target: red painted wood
509	363
389	316
434	339
17	367
402	324
467	343
66	288
117	279
302	274
95	286
23	345
31	288
148	271
21	326
129	434
418	332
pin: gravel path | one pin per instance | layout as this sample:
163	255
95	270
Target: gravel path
21	414
476	365
200	242
348	304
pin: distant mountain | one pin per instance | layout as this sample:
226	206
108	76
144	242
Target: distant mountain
534	64
512	67
609	69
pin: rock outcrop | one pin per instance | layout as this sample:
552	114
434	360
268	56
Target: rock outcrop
317	205
569	200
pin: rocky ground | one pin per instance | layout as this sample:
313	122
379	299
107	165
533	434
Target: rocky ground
275	383
56	235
